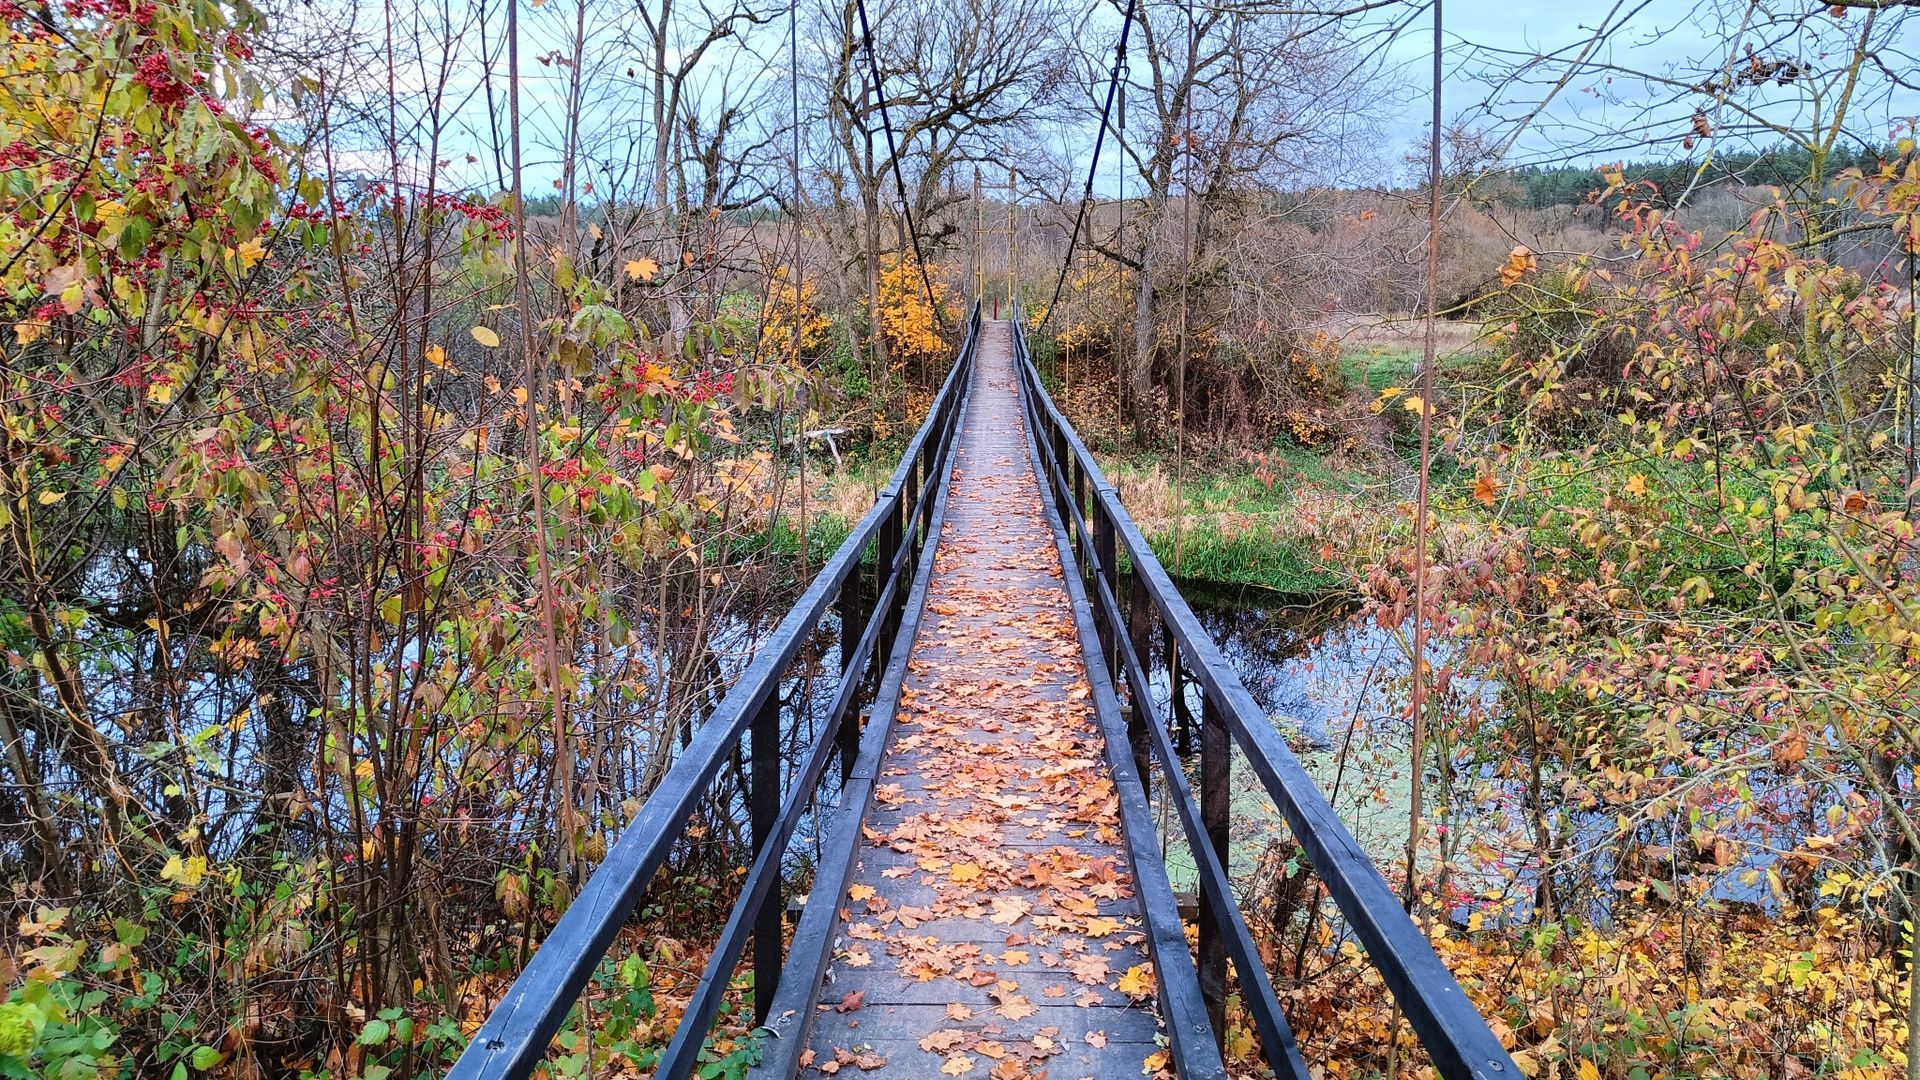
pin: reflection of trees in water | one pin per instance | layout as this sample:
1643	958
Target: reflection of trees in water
1342	684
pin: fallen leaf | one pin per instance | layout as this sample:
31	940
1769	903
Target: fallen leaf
1137	982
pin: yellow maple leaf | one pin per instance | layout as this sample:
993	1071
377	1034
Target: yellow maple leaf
642	269
1137	982
860	892
250	253
187	872
957	1065
1637	484
1008	910
1016	1007
965	872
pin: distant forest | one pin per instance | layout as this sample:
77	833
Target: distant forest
1537	187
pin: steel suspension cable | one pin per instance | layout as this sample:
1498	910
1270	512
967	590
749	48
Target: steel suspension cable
893	155
799	274
1093	167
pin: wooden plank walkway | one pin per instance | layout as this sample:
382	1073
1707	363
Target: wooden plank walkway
991	928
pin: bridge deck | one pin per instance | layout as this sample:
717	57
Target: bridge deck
992	922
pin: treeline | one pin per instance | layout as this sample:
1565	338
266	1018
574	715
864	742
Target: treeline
1536	187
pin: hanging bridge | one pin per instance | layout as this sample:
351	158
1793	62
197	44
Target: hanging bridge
990	892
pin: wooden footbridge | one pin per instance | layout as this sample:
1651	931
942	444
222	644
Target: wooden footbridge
990	898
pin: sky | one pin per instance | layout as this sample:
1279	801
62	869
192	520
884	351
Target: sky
1603	112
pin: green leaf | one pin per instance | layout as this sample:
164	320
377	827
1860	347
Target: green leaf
374	1033
204	1058
134	233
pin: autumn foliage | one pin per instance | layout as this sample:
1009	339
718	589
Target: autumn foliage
1682	545
907	317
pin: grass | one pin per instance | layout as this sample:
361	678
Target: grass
835	502
1287	523
1377	367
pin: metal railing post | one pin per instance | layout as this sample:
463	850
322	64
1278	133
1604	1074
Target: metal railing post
768	958
1140	633
853	625
1079	486
889	552
1216	803
1108	569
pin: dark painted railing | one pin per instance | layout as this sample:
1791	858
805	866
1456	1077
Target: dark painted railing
901	525
1096	528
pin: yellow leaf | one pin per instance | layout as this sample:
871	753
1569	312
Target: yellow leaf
957	1065
965	872
48	498
485	337
860	892
642	269
1636	484
1137	982
1155	1062
250	253
436	356
1414	404
188	872
1588	1071
1008	910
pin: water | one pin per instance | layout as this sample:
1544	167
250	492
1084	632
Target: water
1337	688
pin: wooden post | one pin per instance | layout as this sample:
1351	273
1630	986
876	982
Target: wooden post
979	216
1013	241
1216	760
768	946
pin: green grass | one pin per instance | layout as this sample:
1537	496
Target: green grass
1234	527
1377	367
1241	556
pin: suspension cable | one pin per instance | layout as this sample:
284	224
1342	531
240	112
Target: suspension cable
1093	167
893	155
799	274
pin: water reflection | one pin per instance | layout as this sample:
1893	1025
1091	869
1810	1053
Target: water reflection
1337	688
